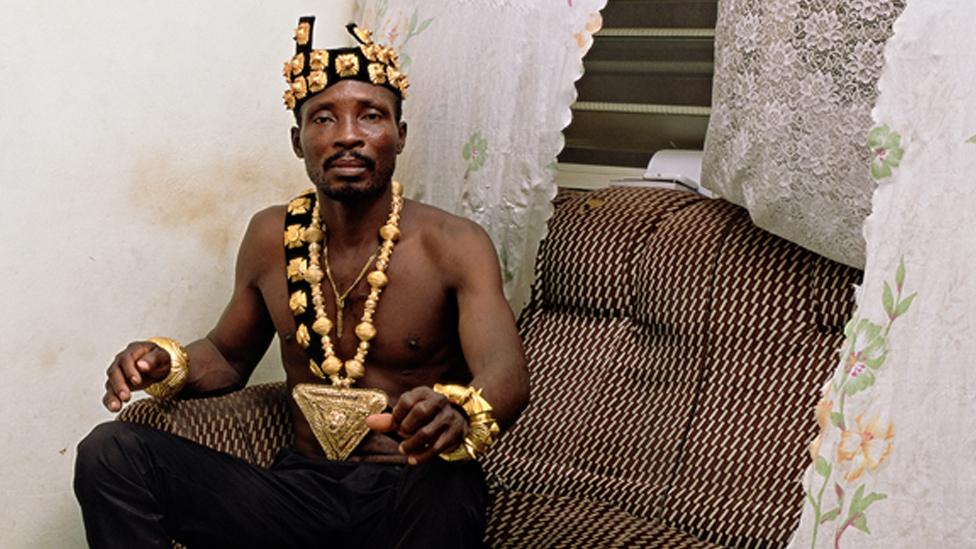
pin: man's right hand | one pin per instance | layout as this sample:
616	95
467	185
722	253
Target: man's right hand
138	366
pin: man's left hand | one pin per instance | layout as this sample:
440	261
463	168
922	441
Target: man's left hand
427	422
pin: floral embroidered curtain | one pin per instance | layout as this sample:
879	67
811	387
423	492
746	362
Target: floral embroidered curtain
795	81
491	86
893	465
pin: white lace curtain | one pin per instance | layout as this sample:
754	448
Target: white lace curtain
894	464
795	81
491	86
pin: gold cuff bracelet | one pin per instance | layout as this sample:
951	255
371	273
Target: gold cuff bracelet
482	427
179	369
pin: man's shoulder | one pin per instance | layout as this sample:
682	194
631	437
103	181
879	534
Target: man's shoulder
270	218
442	226
455	244
266	226
263	236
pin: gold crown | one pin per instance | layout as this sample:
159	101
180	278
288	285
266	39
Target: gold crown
310	71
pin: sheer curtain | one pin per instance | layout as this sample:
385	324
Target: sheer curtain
795	81
893	466
491	86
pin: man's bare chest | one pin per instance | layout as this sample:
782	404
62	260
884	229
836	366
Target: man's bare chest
416	320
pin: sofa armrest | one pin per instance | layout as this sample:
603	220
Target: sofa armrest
252	424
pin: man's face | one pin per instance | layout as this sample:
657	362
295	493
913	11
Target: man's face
349	139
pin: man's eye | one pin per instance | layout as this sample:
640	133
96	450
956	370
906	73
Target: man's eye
322	119
372	116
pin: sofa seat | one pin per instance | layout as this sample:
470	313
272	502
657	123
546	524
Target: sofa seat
537	520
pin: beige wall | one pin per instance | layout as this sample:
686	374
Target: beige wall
136	138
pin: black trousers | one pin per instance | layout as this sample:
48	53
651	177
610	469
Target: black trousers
139	488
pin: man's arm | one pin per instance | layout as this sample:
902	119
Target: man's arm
491	345
489	337
224	359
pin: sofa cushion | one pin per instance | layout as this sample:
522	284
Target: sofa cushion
770	344
586	262
551	449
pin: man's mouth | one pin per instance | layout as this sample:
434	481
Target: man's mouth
348	164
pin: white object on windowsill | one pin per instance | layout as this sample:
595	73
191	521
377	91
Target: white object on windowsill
671	169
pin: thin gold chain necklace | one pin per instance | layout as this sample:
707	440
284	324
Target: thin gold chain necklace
340	297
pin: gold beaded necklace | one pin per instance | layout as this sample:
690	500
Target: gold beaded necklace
345	374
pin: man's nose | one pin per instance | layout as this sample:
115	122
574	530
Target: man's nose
348	133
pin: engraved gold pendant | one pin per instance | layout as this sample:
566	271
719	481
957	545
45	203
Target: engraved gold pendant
337	415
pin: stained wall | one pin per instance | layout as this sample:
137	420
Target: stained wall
136	139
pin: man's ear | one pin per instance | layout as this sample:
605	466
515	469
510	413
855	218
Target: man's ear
296	141
402	131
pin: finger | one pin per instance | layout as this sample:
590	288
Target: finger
128	365
382	423
405	403
117	384
426	435
445	443
110	401
421	413
155	364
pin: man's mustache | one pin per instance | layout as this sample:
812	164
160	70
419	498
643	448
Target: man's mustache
367	161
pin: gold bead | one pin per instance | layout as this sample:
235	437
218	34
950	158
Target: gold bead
370	303
332	365
363	347
314	234
377	279
365	331
355	369
322	326
314	274
397	188
390	233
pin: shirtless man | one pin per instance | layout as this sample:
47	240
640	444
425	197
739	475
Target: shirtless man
441	318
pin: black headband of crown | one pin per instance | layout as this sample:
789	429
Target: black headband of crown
310	71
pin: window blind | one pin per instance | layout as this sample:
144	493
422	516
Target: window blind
647	83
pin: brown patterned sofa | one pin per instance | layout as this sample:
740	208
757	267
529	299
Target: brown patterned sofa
676	354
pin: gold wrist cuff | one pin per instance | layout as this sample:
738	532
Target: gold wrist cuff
482	427
179	369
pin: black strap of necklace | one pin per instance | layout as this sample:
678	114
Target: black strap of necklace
307	318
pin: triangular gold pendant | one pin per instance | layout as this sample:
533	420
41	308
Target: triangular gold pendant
338	416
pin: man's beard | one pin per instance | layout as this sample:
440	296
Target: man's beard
348	190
